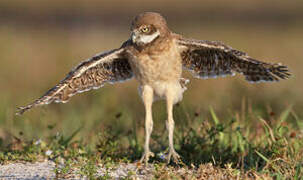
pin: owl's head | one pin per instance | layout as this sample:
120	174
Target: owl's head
147	27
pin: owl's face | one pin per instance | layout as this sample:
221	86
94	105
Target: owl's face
144	34
148	27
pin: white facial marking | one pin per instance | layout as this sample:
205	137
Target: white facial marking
145	39
134	37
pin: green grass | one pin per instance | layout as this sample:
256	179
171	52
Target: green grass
246	144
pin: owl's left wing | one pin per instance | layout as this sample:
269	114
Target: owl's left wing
211	59
107	67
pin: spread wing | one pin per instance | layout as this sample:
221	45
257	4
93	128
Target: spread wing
108	67
211	59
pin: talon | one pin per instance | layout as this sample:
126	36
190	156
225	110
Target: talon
146	156
176	157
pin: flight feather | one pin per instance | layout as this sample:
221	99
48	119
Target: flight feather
107	67
211	59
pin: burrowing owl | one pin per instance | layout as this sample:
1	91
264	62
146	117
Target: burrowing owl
155	57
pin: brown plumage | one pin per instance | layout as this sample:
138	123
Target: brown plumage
155	56
210	59
108	67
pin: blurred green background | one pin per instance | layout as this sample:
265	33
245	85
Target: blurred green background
40	41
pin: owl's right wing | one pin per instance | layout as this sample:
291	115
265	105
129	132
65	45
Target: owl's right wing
210	59
107	67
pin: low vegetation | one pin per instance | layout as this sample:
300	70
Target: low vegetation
245	145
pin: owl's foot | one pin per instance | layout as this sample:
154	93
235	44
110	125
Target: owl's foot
175	155
146	156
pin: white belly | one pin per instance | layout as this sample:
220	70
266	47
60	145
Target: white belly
162	88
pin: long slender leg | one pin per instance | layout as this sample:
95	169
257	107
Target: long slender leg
147	97
170	126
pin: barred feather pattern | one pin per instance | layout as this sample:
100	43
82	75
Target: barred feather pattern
211	59
108	67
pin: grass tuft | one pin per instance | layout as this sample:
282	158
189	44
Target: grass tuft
209	146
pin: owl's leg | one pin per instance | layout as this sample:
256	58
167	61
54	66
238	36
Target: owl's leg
147	97
170	127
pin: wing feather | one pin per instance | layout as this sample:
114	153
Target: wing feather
107	67
211	59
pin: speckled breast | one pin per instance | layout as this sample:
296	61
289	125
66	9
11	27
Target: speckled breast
157	66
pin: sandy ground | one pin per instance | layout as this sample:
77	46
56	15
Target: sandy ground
45	170
38	170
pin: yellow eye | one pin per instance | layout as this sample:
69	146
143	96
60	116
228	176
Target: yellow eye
144	29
